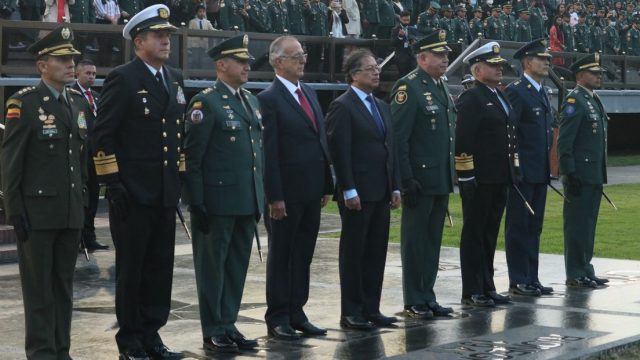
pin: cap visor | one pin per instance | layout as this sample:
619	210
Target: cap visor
440	49
64	52
544	55
496	60
162	26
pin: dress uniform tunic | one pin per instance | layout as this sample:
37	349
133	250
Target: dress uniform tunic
279	17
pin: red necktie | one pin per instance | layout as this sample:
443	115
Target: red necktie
60	10
307	108
92	103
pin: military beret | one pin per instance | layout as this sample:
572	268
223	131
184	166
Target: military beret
56	43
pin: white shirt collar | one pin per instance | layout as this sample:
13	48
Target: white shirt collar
535	84
361	94
290	86
233	91
154	70
82	89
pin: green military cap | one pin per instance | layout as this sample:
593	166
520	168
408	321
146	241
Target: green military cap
446	8
434	5
152	18
537	47
582	14
236	47
488	53
496	8
55	43
523	11
507	5
461	8
477	9
590	62
434	42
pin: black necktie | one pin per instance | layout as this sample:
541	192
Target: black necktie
239	97
161	81
376	114
65	105
544	96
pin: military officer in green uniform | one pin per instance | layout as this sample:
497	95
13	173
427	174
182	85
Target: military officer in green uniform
128	9
81	11
387	19
279	16
583	34
318	25
258	19
424	118
536	21
494	25
582	155
509	22
612	39
461	31
233	14
446	24
633	39
370	16
297	22
567	33
43	175
224	190
597	36
476	25
523	30
429	21
622	26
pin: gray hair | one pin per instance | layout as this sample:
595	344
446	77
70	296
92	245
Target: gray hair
276	50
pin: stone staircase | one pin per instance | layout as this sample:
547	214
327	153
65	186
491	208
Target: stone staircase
8	249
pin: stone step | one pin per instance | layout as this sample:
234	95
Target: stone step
8	253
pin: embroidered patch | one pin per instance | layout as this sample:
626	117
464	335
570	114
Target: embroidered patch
571	101
197	105
196	117
13	113
401	97
569	110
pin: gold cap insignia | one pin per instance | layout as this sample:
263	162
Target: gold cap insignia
496	49
442	35
245	41
163	13
66	33
596	56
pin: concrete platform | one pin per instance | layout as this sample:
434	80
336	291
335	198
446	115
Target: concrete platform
567	325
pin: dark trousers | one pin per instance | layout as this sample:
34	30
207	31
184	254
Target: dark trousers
221	260
481	215
580	215
47	262
292	242
144	243
93	194
522	232
363	254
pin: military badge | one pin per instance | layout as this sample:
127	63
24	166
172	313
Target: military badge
569	110
46	98
13	113
196	117
197	105
571	101
147	111
401	97
163	13
180	96
82	121
258	115
66	33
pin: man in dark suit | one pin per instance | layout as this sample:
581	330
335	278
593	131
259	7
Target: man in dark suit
43	172
361	143
298	184
137	144
402	37
486	163
533	117
85	76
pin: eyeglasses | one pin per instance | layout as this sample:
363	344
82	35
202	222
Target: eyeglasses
370	69
296	57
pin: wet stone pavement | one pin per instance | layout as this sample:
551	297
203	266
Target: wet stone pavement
567	325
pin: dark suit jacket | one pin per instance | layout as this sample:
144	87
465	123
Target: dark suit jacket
363	158
533	117
91	117
138	135
296	155
486	133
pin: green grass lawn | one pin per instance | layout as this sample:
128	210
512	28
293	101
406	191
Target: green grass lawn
617	233
623	159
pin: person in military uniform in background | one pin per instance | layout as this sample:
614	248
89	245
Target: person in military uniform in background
44	142
387	21
633	39
494	27
476	25
297	20
583	34
31	9
567	34
533	118
224	139
137	144
461	30
523	30
467	82
612	38
424	123
401	40
509	22
622	26
597	36
128	9
537	20
233	14
82	12
258	19
446	24
486	164
429	21
279	16
317	18
582	155
370	17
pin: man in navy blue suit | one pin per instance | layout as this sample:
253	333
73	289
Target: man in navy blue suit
298	184
533	119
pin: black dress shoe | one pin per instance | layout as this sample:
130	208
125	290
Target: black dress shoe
599	280
355	323
220	343
525	290
283	332
583	282
544	290
242	342
478	300
137	354
161	352
308	328
96	245
499	299
381	320
439	310
418	312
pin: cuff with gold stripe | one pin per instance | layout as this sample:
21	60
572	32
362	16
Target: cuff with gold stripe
464	162
105	164
183	163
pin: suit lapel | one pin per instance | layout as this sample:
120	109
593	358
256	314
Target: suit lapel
533	92
364	111
150	83
293	102
233	101
493	97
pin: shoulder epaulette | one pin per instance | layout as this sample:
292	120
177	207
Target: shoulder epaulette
246	91
517	82
74	91
28	89
208	90
412	76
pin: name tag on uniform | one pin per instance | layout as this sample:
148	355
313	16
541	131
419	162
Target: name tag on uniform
232	124
432	107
